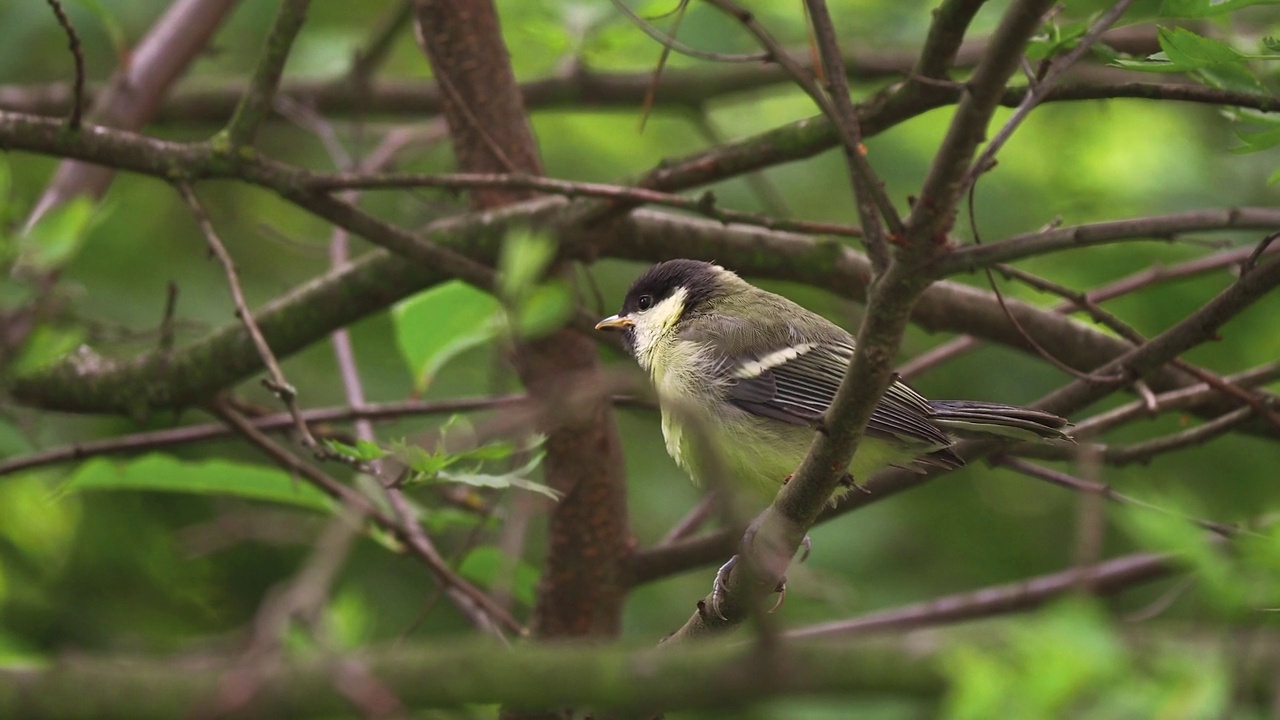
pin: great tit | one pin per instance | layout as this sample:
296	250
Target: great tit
757	372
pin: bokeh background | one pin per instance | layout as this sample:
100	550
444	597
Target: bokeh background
165	572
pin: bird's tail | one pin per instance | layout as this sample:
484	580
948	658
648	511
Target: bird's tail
984	420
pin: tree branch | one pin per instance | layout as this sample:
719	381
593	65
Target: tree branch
255	104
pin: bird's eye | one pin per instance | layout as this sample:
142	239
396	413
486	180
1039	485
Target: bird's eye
644	302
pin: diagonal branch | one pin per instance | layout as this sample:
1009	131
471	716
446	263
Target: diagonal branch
255	104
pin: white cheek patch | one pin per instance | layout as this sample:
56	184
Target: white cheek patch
756	368
655	324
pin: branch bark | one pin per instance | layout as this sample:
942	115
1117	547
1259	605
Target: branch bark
581	593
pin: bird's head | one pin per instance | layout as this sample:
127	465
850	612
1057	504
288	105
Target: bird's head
661	297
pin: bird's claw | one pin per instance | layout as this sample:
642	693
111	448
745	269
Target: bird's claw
718	590
719	586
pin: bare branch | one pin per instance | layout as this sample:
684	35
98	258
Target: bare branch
1107	578
255	104
277	383
1036	92
1070	482
157	439
671	43
933	214
77	56
1160	227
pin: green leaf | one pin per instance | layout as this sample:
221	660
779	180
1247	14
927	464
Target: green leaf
524	260
1237	78
364	450
497	450
56	238
1157	63
543	310
46	345
423	462
514	479
437	325
162	473
1059	38
1256	141
486	565
1174	533
1189	51
1274	177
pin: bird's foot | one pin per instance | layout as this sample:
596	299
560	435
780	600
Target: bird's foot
719	587
849	482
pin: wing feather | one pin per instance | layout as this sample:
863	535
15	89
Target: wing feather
797	384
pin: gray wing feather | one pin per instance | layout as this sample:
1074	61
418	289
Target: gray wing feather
798	390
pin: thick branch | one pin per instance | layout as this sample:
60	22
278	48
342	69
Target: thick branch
447	676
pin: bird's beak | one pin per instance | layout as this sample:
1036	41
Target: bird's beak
615	322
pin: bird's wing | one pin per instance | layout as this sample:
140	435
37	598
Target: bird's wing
796	384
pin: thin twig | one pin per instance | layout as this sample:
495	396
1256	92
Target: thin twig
77	56
671	43
704	204
691	521
156	439
1126	331
1140	280
366	58
867	188
1142	452
1037	92
277	383
1108	578
848	133
167	320
1173	400
1089	487
478	606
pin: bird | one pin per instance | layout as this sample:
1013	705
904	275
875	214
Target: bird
748	375
759	371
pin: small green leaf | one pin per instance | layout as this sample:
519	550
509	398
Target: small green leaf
56	238
543	310
46	345
364	450
162	473
486	565
1189	51
1256	141
437	325
426	464
524	260
499	482
1059	38
497	450
1274	177
1156	63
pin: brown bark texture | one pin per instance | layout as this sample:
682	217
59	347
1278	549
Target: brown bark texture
582	591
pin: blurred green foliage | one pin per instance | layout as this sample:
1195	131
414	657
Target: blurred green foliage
170	570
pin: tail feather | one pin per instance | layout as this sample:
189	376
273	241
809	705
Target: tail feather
973	419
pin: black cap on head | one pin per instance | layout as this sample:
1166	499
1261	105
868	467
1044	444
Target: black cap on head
658	283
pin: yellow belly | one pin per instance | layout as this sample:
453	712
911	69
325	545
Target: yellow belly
758	454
